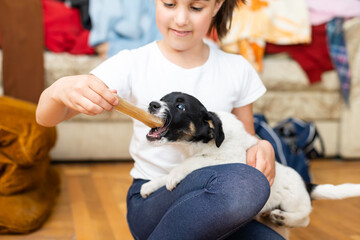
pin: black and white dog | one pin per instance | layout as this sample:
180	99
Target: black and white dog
220	138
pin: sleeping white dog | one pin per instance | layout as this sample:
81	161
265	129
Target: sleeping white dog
220	138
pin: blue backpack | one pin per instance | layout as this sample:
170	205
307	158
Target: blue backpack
293	142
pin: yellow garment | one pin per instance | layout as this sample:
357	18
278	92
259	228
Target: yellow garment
261	21
27	184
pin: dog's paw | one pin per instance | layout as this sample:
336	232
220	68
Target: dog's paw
147	189
151	186
277	216
171	184
173	179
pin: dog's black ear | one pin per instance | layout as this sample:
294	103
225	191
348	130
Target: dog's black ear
219	135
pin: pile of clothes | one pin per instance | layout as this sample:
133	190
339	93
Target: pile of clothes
309	31
77	26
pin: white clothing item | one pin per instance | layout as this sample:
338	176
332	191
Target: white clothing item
225	81
322	11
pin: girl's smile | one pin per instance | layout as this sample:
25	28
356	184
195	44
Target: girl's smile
179	33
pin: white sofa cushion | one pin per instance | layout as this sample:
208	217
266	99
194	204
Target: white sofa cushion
281	73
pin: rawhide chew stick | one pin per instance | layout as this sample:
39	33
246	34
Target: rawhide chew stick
138	113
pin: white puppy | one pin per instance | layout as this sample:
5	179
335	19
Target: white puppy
220	138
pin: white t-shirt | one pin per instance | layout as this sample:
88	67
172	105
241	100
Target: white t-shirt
225	81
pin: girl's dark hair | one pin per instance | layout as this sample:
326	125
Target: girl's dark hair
222	20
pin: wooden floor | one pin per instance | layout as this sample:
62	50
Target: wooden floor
91	204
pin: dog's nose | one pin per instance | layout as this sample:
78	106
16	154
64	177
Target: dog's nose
154	106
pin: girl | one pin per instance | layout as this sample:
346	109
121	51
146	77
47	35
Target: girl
215	202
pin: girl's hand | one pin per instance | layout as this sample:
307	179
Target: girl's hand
262	157
84	94
69	96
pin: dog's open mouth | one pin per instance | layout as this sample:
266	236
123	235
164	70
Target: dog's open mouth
157	133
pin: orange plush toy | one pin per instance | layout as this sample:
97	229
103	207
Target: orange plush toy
28	186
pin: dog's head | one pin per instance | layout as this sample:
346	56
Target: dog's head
186	119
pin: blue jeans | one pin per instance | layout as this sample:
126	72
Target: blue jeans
216	202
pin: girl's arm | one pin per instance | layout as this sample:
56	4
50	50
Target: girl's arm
69	96
261	156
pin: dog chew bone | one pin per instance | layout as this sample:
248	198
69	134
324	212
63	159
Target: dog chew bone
138	113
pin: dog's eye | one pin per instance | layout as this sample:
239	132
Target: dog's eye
180	107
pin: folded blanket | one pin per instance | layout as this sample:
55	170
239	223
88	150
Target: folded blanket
27	184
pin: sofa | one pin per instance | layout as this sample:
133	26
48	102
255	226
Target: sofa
107	136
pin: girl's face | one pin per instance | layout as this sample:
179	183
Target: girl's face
184	23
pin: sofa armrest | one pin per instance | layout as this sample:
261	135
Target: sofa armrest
350	119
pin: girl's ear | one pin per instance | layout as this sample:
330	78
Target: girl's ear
218	4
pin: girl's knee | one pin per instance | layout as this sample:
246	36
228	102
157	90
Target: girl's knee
241	189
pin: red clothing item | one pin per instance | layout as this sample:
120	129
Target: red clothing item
63	29
314	58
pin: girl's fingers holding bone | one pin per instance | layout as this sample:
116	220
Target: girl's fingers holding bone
93	107
81	109
102	90
98	100
86	106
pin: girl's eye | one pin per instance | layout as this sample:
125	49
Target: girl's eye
169	5
197	9
180	107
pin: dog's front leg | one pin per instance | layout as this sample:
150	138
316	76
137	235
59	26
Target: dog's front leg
178	173
152	186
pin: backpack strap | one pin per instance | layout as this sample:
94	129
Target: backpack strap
309	148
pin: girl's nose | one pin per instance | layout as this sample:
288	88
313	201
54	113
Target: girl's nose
181	17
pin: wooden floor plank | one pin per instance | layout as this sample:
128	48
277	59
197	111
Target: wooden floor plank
80	213
99	222
92	204
115	215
